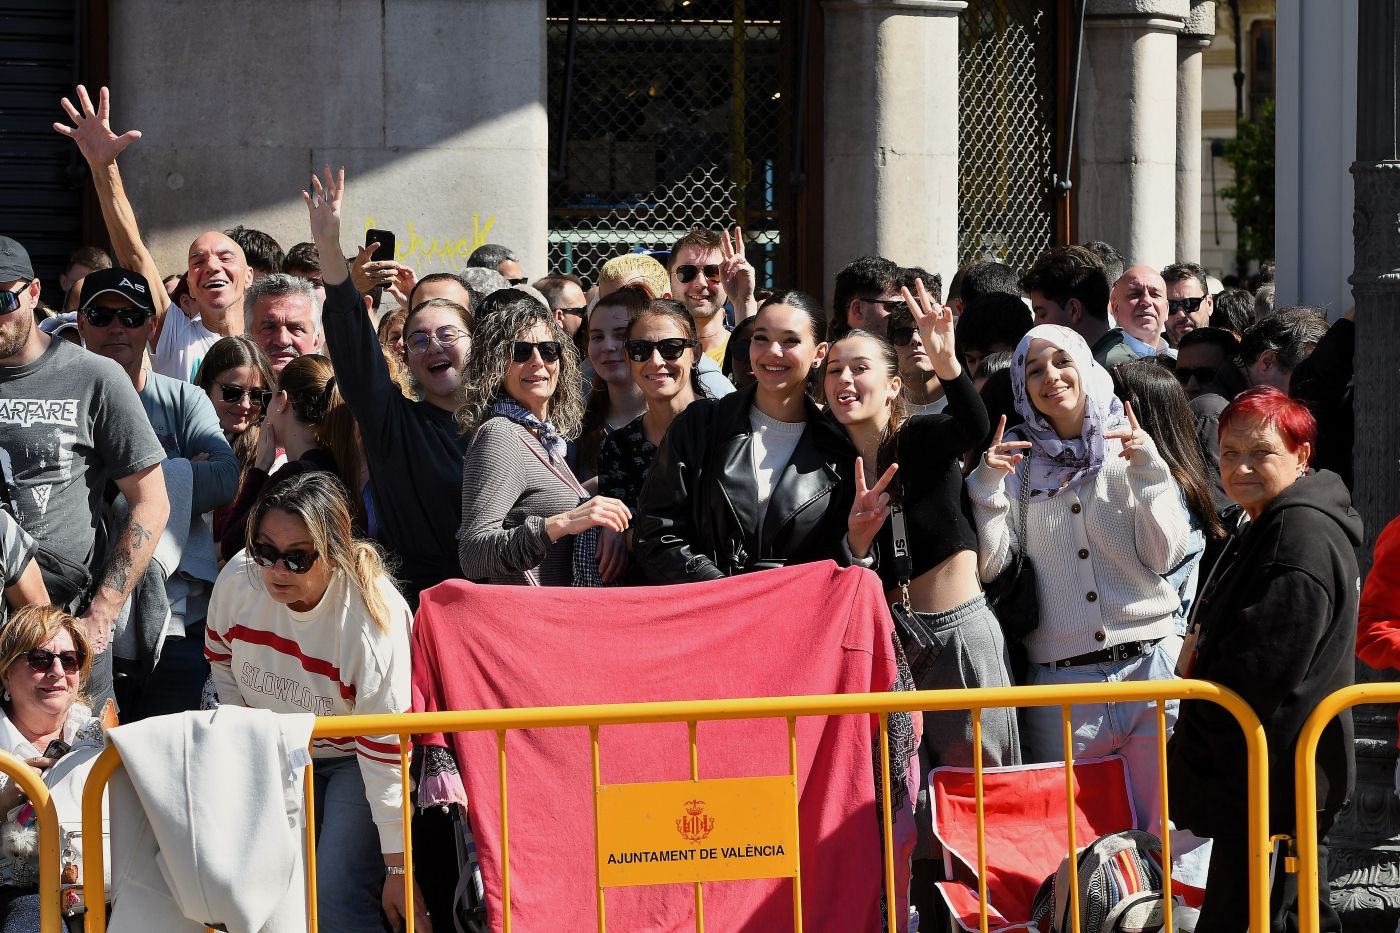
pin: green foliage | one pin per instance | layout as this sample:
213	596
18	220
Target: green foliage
1251	197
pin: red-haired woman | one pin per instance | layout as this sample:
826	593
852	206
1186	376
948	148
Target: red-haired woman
1276	622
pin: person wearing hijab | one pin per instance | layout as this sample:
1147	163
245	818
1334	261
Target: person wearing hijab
1106	521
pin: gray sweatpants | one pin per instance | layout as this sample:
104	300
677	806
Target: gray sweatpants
973	655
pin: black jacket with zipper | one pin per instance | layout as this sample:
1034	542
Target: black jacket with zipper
697	518
1277	624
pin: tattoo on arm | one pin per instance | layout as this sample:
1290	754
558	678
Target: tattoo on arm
118	577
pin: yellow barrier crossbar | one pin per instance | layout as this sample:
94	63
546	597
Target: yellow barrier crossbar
1305	801
692	712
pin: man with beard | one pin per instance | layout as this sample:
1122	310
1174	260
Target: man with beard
70	422
708	269
115	321
218	271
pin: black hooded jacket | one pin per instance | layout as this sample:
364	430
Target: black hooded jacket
1277	624
697	518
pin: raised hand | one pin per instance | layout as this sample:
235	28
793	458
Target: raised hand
738	276
91	130
869	510
1134	438
323	204
369	272
1004	455
935	323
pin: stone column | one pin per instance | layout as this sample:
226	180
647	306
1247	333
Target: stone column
1195	37
1365	857
1127	136
891	132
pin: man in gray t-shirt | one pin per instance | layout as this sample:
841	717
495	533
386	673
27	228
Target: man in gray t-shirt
70	422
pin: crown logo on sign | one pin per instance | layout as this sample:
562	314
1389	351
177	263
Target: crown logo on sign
695	807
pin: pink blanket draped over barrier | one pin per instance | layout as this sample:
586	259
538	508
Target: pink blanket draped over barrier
811	629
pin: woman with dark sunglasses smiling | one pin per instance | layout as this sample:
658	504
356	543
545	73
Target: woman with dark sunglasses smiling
313	613
44	664
662	351
522	400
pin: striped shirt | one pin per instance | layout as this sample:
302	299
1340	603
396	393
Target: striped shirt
331	661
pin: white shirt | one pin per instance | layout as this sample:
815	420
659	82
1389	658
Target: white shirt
182	345
773	444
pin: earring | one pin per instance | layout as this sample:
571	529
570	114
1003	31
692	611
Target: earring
5	696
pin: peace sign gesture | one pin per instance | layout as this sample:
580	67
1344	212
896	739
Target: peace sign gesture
1004	455
738	277
1134	438
935	323
869	510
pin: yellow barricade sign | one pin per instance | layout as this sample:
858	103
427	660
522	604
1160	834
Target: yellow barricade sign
680	831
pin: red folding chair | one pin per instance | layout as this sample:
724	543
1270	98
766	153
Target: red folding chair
1026	830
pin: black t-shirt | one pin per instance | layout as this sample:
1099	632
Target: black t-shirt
937	514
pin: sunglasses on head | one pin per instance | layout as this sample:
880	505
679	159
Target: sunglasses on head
639	351
902	336
298	562
41	660
130	316
233	394
687	273
9	301
1203	374
520	281
1178	305
550	350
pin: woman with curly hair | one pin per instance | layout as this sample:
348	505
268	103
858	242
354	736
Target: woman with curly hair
522	402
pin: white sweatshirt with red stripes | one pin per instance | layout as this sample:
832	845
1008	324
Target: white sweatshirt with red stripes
331	661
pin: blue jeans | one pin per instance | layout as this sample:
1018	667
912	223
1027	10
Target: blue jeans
1100	729
349	867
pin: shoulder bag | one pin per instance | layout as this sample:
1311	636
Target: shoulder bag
1012	595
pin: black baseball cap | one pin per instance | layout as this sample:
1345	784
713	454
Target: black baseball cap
14	261
130	285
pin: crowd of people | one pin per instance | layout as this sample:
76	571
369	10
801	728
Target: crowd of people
230	485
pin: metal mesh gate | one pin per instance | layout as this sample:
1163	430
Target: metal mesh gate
1006	104
668	114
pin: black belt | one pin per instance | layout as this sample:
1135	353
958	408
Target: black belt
1124	652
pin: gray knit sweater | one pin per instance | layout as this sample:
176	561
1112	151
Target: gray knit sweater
507	493
1100	551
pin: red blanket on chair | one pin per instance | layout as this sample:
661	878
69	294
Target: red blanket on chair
811	629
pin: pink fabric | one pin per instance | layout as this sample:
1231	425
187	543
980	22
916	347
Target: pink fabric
810	629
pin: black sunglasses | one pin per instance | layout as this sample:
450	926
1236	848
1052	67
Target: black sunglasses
581	310
550	351
233	394
520	281
1203	374
902	336
1178	305
41	660
889	304
9	301
130	316
639	351
298	562
687	273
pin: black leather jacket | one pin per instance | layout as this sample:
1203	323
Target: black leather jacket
697	518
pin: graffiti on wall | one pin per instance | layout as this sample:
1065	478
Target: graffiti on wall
428	253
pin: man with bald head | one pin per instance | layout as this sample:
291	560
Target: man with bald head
1139	304
218	271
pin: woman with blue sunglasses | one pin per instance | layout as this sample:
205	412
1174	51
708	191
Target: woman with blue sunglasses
307	619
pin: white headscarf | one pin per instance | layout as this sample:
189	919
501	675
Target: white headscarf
1056	462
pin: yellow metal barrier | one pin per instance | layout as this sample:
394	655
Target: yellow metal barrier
789	708
1305	768
46	820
